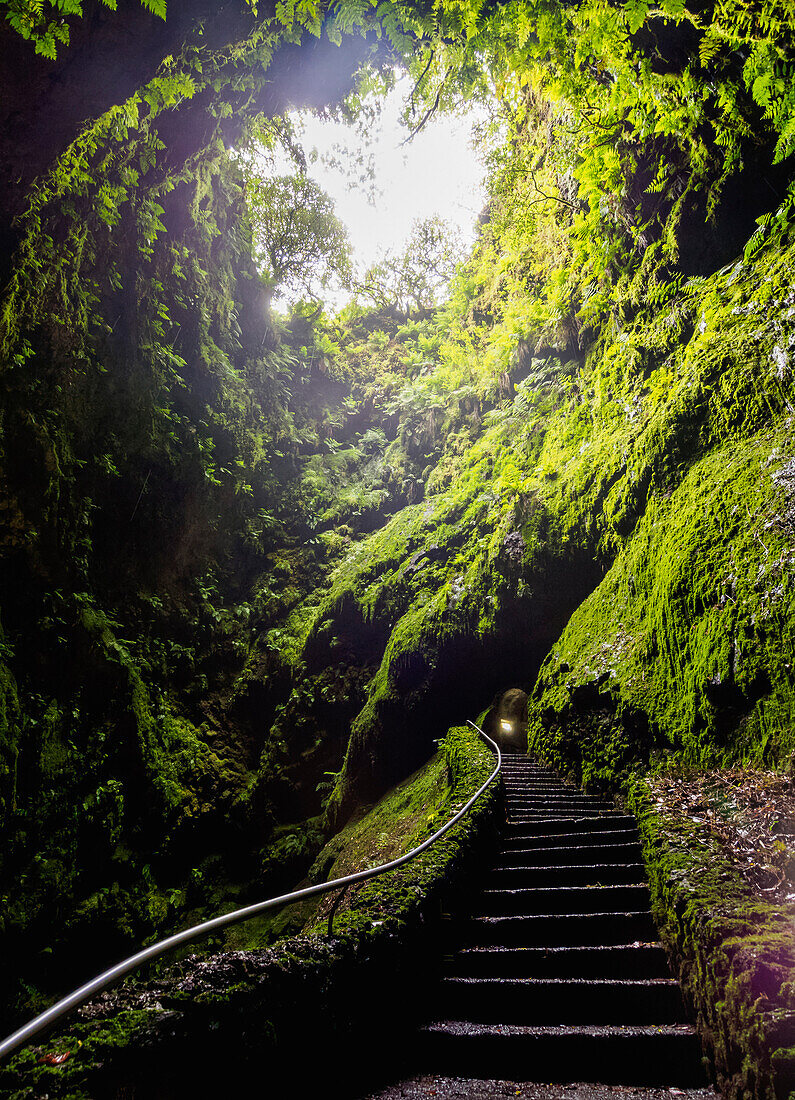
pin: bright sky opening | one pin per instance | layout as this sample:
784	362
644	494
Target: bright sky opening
437	172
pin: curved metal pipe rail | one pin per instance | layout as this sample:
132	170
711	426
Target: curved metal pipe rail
110	977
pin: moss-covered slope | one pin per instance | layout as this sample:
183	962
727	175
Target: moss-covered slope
730	945
208	1024
656	473
686	647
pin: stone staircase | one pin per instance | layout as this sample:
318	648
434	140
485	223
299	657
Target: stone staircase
559	976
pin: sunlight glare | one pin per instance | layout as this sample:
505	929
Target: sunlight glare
437	173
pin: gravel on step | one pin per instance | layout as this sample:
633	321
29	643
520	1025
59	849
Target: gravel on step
465	1088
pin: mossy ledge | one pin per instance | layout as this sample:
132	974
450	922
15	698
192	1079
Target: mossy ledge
732	951
231	1017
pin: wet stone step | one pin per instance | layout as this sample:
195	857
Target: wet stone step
544	794
517	775
552	842
551	798
590	874
559	929
542	782
551	807
541	778
559	975
535	1001
521	822
525	791
565	899
512	772
517	789
525	765
520	776
471	1088
559	810
629	1055
634	960
605	832
593	854
555	825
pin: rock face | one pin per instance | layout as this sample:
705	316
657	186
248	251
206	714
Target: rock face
143	454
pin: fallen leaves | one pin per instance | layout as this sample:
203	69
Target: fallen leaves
751	813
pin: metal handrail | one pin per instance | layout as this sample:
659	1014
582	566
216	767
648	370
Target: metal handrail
110	977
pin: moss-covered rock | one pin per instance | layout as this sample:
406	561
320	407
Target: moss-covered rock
686	647
731	949
210	1021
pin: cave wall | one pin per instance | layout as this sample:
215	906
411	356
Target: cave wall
667	506
144	411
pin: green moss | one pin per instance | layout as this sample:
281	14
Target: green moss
258	1006
686	647
87	1046
403	818
10	716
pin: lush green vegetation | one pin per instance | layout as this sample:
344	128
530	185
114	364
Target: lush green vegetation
256	561
202	1031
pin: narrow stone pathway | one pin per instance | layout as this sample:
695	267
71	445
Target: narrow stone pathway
560	976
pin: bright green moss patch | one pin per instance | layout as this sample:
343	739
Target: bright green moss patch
690	634
402	819
686	648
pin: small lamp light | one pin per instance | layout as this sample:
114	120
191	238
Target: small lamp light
505	725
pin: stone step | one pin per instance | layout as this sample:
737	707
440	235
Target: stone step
539	777
532	773
586	874
547	796
421	1086
546	826
564	807
595	838
522	822
668	1054
535	1001
551	806
627	960
528	791
536	765
559	929
559	976
539	782
563	899
538	790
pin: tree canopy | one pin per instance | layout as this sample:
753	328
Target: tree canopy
415	278
300	245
